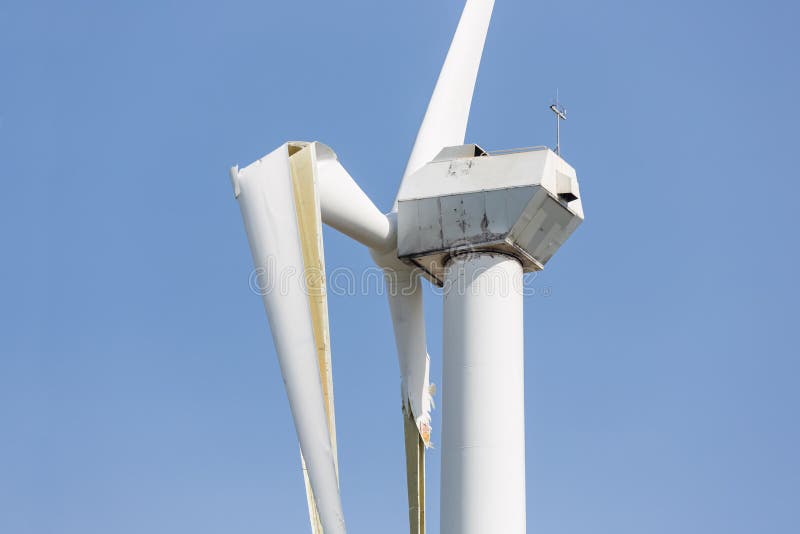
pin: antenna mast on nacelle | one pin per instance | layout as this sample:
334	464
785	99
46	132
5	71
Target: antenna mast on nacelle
561	115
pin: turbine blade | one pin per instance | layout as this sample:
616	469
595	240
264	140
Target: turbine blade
415	474
280	208
408	320
404	290
445	122
303	163
346	207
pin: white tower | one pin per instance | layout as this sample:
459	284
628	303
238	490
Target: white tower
474	222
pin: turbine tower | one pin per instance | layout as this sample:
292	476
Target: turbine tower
470	221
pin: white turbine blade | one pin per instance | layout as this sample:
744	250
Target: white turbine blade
409	332
346	207
404	290
405	303
303	162
445	122
275	208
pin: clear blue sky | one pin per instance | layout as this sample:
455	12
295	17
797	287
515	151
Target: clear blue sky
139	391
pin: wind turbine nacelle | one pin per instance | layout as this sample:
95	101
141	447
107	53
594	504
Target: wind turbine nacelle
523	203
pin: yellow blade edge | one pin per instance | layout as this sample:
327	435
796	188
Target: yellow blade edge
303	164
313	514
415	474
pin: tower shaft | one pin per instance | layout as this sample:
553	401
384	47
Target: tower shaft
483	435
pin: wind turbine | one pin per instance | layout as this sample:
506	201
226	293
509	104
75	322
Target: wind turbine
470	221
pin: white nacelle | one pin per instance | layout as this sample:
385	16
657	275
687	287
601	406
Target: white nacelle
523	203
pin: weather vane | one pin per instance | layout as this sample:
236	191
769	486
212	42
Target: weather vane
561	115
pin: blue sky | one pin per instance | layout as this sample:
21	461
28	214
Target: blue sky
139	391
